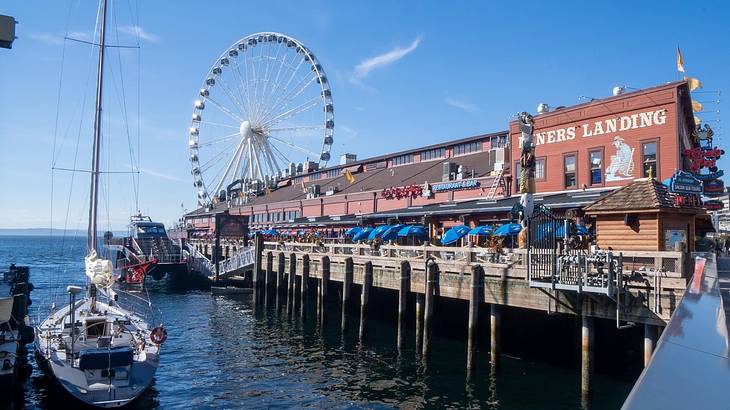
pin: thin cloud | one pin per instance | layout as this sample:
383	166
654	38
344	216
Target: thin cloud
46	38
139	32
383	60
161	175
461	104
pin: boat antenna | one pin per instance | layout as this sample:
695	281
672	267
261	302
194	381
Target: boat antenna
94	197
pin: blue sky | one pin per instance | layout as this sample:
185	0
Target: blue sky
403	74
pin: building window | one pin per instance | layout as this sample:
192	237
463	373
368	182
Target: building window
403	159
467	148
648	158
499	141
298	180
540	168
331	173
435	153
315	176
571	180
596	167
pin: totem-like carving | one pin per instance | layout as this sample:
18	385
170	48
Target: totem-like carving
527	172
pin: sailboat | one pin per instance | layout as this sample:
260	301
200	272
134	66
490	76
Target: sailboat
99	348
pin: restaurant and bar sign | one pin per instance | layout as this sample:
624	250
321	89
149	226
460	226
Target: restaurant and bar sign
460	185
685	183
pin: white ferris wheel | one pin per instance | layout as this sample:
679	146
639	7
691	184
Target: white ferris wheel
263	108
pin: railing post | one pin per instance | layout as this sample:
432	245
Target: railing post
346	285
405	284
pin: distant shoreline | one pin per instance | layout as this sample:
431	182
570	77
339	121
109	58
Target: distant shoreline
50	232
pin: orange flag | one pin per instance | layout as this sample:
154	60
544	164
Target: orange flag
680	61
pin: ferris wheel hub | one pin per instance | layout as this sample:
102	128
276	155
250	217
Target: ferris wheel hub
245	130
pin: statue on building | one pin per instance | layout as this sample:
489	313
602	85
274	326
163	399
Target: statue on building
527	172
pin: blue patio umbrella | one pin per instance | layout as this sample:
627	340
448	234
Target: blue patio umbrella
353	230
481	230
454	234
413	230
362	235
508	229
391	233
271	232
378	231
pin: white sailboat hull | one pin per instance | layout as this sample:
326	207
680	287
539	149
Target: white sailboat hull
103	381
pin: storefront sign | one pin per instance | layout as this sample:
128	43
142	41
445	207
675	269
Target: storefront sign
714	187
687	201
607	126
410	191
713	205
685	183
460	185
703	158
710	176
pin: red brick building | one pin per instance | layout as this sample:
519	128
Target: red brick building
609	142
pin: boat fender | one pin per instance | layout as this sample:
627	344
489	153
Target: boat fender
158	335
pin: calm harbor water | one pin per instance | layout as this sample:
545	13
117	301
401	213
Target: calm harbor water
224	352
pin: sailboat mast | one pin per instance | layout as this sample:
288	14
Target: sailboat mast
94	197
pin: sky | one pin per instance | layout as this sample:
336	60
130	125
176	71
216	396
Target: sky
403	74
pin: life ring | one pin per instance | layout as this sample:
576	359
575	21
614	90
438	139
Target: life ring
158	335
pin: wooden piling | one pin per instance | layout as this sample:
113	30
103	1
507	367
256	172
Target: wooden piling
649	341
346	285
419	321
367	282
281	263
431	282
474	298
323	284
586	373
305	286
290	283
257	268
495	318
405	285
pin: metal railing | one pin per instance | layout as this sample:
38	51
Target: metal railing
240	259
198	262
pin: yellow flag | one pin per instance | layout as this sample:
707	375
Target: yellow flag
349	177
697	120
693	83
696	106
680	61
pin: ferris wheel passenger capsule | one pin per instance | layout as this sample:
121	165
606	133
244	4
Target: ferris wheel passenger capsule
194	131
210	81
325	156
193	158
328	140
233	53
199	105
193	144
204	92
224	61
217	71
330	124
196	117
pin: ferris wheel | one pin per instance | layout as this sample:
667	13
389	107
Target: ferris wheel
263	108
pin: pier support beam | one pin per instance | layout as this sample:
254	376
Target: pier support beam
290	283
268	278
586	370
367	282
323	283
405	287
346	285
474	298
257	266
305	286
431	283
650	334
280	278
495	319
419	321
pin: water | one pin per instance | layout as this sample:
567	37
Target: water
224	352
